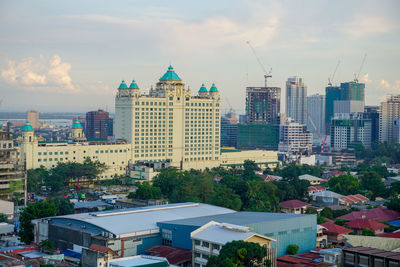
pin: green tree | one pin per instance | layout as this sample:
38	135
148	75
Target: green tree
33	211
47	246
225	197
341	222
292	249
344	184
239	253
261	196
36	178
63	205
395	189
327	213
320	219
3	218
145	191
249	167
371	181
368	232
393	204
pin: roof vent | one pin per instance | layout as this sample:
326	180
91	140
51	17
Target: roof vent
236	228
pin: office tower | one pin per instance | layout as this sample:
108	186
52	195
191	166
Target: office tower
294	137
388	112
169	124
348	130
372	113
97	124
229	130
263	105
296	93
258	136
33	117
12	178
316	110
352	95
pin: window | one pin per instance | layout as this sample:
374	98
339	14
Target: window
205	244
216	247
197	242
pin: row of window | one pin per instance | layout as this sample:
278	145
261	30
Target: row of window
84	151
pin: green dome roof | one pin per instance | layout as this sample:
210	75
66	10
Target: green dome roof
123	85
133	85
77	125
27	127
213	88
203	88
170	74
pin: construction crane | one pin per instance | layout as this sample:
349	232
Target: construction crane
267	74
322	141
356	76
330	79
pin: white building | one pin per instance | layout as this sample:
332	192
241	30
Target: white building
293	138
348	106
316	110
349	129
296	93
388	112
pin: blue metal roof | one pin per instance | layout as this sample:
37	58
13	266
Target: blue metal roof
170	74
203	88
394	223
123	85
27	127
77	125
133	85
213	88
72	254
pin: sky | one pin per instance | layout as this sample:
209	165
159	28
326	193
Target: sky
70	56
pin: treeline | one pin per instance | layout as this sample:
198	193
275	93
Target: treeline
238	189
379	153
65	172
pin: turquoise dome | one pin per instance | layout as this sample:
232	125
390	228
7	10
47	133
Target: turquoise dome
213	88
170	74
27	127
77	125
123	85
133	85
203	88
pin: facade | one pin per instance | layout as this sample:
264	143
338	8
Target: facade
372	113
263	158
294	137
263	105
33	117
208	240
316	109
350	129
99	125
335	233
296	93
348	106
294	206
322	239
169	124
12	174
229	130
258	136
369	257
388	112
332	94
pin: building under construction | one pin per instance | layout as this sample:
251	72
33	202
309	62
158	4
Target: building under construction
258	136
263	105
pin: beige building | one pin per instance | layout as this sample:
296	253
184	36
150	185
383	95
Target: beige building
263	158
33	117
389	111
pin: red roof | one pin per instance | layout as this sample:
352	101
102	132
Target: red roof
380	214
293	204
335	229
391	235
316	188
304	259
101	249
365	223
174	255
361	197
335	173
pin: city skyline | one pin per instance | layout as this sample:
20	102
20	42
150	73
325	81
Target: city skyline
73	57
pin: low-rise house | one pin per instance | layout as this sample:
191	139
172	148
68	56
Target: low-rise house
359	224
388	244
366	256
269	178
303	259
312	179
330	174
294	206
175	256
380	214
209	239
322	238
332	256
314	189
335	233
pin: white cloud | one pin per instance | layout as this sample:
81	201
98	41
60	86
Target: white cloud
365	25
366	79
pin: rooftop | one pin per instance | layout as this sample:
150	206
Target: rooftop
374	251
174	255
366	223
90	204
141	260
335	229
170	74
293	204
388	244
380	214
310	178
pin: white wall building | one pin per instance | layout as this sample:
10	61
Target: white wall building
316	110
294	137
296	93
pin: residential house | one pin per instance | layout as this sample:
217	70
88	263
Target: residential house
322	238
175	256
294	206
385	243
316	188
380	214
359	224
335	233
312	179
313	259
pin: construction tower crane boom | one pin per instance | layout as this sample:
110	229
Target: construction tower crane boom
356	76
267	74
323	141
330	79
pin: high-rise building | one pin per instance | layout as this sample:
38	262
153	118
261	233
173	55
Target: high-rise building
372	113
389	111
258	136
316	110
170	124
263	105
12	175
294	137
350	129
97	124
33	117
229	130
296	93
332	93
